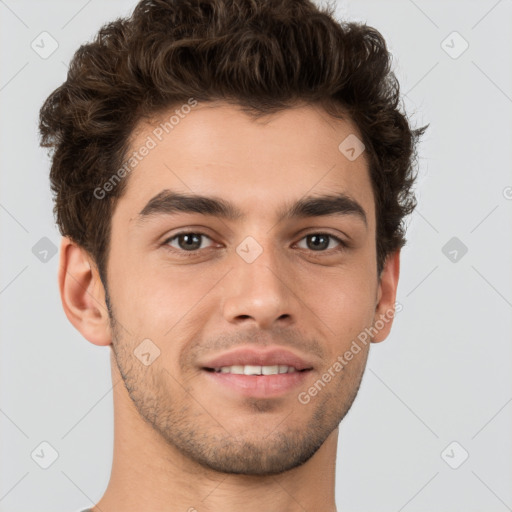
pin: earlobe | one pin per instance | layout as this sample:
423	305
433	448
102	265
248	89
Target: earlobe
82	293
385	310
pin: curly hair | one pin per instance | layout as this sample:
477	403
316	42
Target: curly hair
262	55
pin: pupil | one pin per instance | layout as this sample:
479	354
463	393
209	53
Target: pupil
316	238
188	238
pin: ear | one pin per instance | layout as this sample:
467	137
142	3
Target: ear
386	296
82	293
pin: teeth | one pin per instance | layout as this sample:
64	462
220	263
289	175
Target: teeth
270	370
255	370
252	370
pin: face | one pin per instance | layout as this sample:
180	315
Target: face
202	291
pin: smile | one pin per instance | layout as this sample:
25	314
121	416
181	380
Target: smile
255	370
256	381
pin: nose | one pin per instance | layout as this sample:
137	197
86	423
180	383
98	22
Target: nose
260	291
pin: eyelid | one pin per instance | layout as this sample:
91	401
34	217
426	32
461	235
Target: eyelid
189	232
325	233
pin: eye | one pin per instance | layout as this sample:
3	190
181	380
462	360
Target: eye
191	242
188	241
318	242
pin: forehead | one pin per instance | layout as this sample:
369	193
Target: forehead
215	149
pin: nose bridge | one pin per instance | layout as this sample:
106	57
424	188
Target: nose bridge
258	285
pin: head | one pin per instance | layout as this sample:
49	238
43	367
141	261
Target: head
249	103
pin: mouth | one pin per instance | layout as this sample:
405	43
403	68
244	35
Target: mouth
264	382
256	370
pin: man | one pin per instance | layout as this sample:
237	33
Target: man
230	180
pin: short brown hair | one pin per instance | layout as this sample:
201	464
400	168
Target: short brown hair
263	55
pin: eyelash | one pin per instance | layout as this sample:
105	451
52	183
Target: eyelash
186	254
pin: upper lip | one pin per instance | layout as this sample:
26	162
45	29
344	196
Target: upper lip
248	356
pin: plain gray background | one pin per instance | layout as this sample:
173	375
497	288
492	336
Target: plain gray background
444	374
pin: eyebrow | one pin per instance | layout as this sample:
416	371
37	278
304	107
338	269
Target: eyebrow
169	202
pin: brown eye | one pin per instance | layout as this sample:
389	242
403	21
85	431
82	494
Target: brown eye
187	241
319	242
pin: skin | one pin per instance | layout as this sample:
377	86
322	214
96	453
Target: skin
180	442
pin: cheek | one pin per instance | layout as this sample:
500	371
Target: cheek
344	300
158	301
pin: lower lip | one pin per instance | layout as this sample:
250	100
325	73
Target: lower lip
260	386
